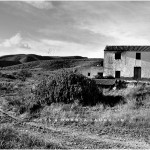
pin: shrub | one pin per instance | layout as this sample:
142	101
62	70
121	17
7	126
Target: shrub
8	138
140	95
108	77
23	74
6	87
67	87
12	139
121	84
112	100
18	104
0	74
99	76
9	76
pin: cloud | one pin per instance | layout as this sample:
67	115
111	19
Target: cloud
40	4
73	28
64	48
25	46
120	35
125	22
17	44
15	41
99	23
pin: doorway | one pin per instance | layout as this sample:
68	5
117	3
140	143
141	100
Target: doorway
117	74
137	73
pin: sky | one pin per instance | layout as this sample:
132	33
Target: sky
68	28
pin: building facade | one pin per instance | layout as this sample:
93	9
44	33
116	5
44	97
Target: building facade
127	62
91	71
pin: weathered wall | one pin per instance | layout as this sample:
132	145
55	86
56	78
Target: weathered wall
145	64
92	70
126	64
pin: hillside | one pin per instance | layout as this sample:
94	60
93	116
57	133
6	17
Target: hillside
10	60
56	64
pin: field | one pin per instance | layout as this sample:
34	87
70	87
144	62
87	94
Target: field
34	115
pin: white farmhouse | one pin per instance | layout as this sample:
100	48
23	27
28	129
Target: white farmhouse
127	62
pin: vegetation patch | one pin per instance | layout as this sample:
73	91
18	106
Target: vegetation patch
67	87
23	74
12	139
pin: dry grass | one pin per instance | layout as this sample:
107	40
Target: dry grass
12	139
131	118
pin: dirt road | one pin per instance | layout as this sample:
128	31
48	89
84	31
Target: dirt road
67	138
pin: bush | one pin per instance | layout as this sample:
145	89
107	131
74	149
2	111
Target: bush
108	77
23	74
6	87
9	76
99	76
121	84
0	74
140	95
12	139
8	138
67	87
19	105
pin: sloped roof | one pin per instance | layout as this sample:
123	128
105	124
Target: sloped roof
105	81
127	48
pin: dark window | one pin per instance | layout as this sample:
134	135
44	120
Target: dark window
138	55
88	74
117	74
117	55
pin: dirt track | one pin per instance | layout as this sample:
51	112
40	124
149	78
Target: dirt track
77	139
71	139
